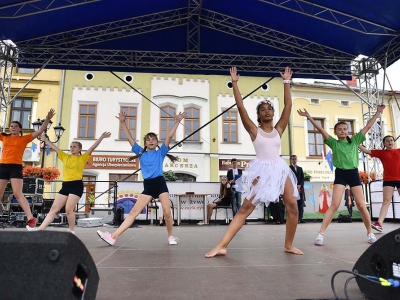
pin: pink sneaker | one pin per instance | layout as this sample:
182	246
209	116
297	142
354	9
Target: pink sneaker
105	236
377	226
32	222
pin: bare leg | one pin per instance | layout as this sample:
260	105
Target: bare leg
141	203
292	218
169	222
237	223
387	198
16	184
337	194
210	208
58	203
359	199
70	208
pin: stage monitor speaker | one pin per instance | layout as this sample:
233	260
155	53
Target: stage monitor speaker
46	265
381	259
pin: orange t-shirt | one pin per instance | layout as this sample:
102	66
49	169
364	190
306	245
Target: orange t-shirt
14	147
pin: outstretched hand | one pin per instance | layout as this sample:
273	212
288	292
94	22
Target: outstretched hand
380	107
180	116
51	114
303	113
106	134
234	75
121	117
287	74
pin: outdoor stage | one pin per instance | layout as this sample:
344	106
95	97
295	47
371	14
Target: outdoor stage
142	265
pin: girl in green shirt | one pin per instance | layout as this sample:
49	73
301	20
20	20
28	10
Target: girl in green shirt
345	159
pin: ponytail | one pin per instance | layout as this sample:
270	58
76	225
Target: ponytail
348	139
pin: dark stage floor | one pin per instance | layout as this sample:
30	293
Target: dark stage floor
142	265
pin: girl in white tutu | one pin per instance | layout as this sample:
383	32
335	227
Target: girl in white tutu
268	176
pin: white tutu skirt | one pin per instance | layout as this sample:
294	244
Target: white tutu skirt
270	186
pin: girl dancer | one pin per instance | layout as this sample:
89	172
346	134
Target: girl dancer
151	160
390	158
268	176
72	186
14	145
345	159
225	198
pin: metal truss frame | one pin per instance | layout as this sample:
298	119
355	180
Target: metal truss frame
142	60
333	16
33	7
193	26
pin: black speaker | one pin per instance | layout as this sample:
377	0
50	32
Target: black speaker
46	265
382	259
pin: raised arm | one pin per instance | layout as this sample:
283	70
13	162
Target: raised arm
42	128
122	117
371	122
287	98
363	149
96	143
178	118
316	125
45	139
248	124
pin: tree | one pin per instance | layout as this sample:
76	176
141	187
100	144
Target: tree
169	176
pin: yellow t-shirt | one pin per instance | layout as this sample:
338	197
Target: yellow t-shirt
73	165
14	147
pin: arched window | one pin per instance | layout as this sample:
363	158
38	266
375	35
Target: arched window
185	177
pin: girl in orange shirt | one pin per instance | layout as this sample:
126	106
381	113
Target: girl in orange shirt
14	145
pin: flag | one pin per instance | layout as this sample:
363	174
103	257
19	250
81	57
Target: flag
47	150
33	147
329	159
362	156
323	158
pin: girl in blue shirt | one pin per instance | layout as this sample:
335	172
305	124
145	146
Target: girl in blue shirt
151	160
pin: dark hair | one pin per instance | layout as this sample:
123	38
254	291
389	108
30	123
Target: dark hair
384	138
342	123
233	159
223	188
152	135
261	103
293	155
15	122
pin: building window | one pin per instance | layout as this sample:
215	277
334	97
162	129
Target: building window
87	121
314	101
131	117
315	139
21	111
350	126
230	126
25	71
167	121
344	103
122	177
185	177
192	123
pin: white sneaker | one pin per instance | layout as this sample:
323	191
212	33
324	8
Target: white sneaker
71	231
319	241
371	238
201	223
31	228
173	240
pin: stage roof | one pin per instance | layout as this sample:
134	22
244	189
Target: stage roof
318	38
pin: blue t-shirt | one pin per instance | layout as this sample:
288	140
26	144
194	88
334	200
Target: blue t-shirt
151	161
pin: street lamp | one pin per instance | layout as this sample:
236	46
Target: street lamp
59	130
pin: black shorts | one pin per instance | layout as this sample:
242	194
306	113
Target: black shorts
155	187
74	187
347	177
394	183
8	171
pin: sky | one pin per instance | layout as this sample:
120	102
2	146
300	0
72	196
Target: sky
393	73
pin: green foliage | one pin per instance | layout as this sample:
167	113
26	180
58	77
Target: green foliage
307	177
169	176
8	187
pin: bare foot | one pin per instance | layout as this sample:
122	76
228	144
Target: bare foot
293	250
216	252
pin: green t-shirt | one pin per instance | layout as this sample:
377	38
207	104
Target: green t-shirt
345	154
